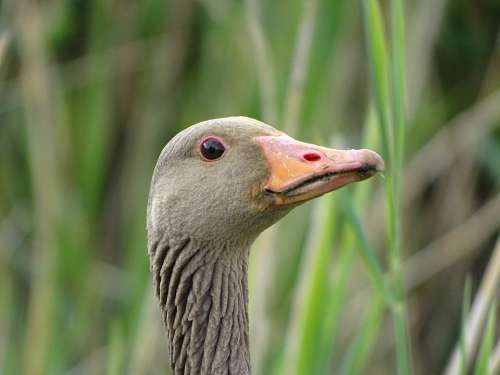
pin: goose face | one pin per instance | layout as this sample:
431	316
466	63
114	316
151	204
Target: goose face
233	177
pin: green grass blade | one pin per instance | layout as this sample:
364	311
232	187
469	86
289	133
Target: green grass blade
41	109
487	343
391	113
92	108
306	320
366	252
116	353
6	303
377	54
465	315
402	340
336	297
357	354
398	75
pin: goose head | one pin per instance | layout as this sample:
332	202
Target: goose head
233	177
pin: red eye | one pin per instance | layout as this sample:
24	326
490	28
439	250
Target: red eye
212	149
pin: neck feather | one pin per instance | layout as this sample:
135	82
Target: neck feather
203	294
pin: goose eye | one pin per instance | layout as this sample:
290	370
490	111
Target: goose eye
212	148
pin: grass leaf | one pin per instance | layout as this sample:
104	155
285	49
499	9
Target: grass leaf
465	315
358	352
487	343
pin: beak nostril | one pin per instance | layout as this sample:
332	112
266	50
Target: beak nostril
312	156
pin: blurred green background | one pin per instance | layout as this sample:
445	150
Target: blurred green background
90	92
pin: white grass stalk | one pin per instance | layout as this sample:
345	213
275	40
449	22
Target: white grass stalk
479	312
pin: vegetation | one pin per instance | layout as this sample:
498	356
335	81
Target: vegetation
369	279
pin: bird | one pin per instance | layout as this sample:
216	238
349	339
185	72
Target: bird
215	187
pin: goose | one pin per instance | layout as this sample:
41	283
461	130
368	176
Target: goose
216	186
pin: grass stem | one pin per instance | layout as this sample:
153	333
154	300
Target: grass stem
41	137
389	88
264	63
300	66
486	295
263	254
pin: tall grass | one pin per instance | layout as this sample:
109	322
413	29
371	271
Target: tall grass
91	91
389	86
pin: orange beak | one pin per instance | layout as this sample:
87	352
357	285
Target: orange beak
302	171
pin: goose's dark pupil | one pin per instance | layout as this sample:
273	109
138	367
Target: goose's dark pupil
212	149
